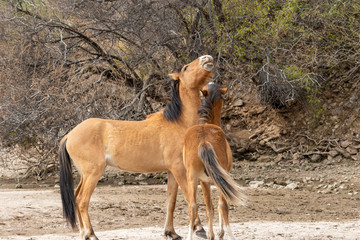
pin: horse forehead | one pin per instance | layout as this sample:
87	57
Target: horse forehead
196	62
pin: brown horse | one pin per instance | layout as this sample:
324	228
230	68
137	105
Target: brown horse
152	145
208	158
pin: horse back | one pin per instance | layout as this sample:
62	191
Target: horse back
212	134
127	145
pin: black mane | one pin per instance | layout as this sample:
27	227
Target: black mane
206	107
173	108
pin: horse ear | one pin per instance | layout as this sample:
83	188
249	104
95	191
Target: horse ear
223	90
174	76
203	92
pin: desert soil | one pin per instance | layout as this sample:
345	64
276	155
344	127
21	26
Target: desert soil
284	202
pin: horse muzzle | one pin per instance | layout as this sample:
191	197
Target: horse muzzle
207	62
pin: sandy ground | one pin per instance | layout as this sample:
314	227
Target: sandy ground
137	212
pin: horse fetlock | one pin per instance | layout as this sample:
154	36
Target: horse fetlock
229	232
221	234
93	237
82	233
211	237
88	235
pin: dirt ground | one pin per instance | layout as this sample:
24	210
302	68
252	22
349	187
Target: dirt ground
324	204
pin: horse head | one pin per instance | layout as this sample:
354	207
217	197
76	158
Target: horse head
211	104
195	74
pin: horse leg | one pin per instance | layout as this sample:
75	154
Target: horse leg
223	208
85	191
171	194
82	231
179	173
209	208
193	209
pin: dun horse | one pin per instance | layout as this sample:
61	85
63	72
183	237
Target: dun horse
151	145
208	158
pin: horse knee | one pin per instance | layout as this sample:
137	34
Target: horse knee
221	234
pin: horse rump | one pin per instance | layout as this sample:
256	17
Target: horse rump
67	186
220	176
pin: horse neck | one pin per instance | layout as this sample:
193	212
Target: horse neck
216	113
190	99
214	117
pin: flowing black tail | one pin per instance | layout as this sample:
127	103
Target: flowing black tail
221	178
67	186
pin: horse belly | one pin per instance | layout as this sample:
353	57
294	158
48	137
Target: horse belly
136	159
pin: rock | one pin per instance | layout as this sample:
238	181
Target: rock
278	158
241	138
326	191
356	157
277	186
140	177
307	180
284	132
315	158
343	152
18	186
345	144
333	153
351	150
280	182
238	103
265	158
343	187
292	186
297	156
241	150
103	179
159	176
256	184
257	133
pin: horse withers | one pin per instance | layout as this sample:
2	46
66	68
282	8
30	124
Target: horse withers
208	158
152	145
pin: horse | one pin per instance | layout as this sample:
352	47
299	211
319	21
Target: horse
151	145
208	158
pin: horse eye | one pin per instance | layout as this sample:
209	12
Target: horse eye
186	67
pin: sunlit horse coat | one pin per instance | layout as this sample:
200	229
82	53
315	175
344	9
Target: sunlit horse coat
151	145
208	158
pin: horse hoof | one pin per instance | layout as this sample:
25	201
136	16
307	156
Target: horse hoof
201	233
93	237
172	235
